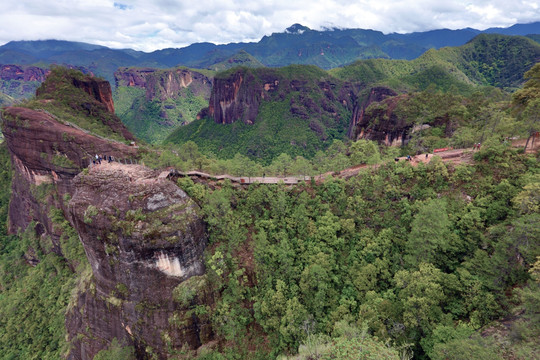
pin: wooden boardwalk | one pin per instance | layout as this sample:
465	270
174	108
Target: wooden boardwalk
456	156
289	180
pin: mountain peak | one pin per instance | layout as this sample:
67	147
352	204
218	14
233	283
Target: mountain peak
296	29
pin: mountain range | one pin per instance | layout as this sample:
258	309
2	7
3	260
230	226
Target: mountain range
298	44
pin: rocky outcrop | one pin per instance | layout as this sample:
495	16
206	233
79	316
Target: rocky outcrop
379	122
22	81
23	73
237	95
46	151
98	89
141	234
164	84
143	237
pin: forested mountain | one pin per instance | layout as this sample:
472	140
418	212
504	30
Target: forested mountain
410	259
298	44
377	99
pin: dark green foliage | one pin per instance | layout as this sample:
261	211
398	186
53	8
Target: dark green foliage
33	299
153	120
12	90
116	352
395	249
488	59
5	185
242	58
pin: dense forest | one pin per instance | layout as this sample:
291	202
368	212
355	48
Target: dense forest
405	260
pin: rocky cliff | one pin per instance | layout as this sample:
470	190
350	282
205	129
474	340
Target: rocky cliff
24	73
154	101
238	96
311	93
373	118
141	234
21	81
46	151
164	84
143	237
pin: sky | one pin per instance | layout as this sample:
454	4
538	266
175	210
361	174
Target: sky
148	25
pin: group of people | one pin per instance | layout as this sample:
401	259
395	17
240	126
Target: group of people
476	146
99	158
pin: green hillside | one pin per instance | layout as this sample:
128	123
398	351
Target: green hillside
60	97
6	99
296	120
242	58
146	118
493	60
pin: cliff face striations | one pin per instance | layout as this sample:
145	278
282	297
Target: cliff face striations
45	151
23	73
311	94
152	102
164	84
374	118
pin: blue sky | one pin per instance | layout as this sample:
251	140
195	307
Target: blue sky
149	25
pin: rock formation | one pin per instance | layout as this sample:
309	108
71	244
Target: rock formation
380	123
142	235
164	84
23	73
237	95
21	81
45	151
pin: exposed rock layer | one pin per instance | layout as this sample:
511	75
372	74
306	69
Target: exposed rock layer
238	95
164	84
43	151
26	73
380	124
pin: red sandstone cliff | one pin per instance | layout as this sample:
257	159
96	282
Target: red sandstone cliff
164	84
237	96
380	123
24	73
46	151
143	237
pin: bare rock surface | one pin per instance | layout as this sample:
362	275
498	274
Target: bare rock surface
143	237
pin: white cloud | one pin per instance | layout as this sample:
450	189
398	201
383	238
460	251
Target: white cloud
149	25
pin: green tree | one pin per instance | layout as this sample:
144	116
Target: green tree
430	235
364	152
116	352
422	295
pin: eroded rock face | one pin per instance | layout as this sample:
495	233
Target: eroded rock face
238	96
98	89
371	126
26	73
228	104
164	84
143	236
